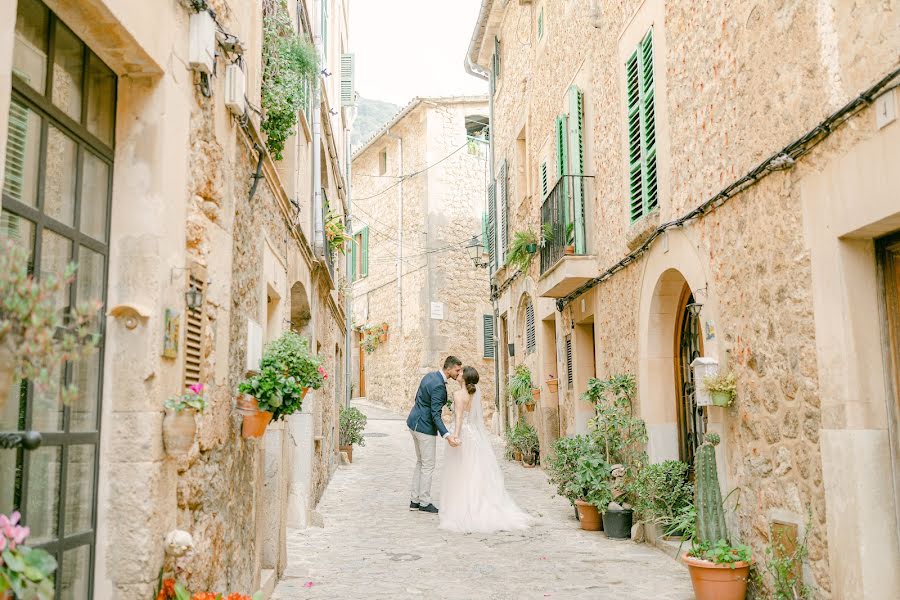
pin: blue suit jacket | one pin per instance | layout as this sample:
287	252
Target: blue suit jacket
425	416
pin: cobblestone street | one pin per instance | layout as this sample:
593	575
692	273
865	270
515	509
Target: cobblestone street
372	547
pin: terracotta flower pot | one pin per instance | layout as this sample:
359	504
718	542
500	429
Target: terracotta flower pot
382	338
349	451
536	394
553	385
179	428
570	250
588	516
517	456
255	420
529	407
712	581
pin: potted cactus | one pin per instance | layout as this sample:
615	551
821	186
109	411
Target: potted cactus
719	571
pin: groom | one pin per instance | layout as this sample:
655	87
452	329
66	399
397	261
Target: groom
424	424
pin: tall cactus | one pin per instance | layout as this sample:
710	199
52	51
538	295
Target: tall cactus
707	496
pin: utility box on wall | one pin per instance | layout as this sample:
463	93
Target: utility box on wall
235	86
202	47
703	366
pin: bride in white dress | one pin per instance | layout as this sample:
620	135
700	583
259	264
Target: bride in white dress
473	496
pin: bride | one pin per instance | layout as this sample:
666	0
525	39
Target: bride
473	495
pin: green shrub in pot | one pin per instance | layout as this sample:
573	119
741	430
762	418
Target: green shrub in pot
662	493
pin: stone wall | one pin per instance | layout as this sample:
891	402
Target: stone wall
442	209
725	99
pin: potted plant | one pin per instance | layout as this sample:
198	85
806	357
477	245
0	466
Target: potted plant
592	489
24	572
512	451
373	336
168	589
552	384
621	438
353	422
383	333
520	388
562	464
663	495
570	239
180	424
722	388
36	337
528	444
287	372
719	570
522	249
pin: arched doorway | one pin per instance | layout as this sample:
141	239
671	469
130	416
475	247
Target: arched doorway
300	312
691	418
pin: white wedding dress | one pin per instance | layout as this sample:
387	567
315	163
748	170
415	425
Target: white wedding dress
473	496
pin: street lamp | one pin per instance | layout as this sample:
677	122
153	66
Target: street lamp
193	298
476	252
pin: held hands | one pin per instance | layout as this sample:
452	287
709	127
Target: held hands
454	441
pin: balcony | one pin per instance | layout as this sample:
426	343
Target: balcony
565	264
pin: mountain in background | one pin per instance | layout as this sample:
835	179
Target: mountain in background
371	116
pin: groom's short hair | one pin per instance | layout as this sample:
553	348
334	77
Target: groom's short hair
451	362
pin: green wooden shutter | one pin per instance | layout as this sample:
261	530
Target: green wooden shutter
364	267
488	330
643	185
648	113
544	183
576	140
354	252
540	24
492	224
562	167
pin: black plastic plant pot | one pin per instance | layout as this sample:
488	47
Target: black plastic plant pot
617	524
531	248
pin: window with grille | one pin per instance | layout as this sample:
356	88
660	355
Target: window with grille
193	338
642	176
530	340
488	330
570	376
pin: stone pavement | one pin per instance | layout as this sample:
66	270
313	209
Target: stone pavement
372	547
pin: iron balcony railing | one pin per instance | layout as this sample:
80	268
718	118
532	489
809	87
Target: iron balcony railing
560	229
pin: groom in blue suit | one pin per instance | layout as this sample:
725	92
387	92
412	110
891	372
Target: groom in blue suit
424	424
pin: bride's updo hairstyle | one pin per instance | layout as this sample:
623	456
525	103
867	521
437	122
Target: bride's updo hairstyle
470	376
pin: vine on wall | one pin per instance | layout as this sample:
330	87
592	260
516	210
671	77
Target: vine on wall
290	68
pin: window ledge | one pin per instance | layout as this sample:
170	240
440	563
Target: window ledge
640	230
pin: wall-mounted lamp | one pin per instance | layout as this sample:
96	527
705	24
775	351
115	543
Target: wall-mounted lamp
476	252
193	298
694	309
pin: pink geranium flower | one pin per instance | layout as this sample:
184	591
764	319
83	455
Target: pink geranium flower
12	534
196	388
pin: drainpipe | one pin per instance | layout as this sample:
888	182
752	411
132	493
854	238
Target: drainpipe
318	233
348	299
399	229
477	71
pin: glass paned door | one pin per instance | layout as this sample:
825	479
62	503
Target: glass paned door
56	202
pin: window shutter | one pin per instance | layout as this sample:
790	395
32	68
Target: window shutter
364	266
16	150
576	140
544	183
492	224
530	341
570	378
503	213
488	329
348	76
193	338
649	123
642	183
562	166
540	24
354	253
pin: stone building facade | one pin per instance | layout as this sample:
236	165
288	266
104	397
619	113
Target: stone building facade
168	189
726	173
418	200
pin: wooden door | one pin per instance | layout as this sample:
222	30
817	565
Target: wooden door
889	275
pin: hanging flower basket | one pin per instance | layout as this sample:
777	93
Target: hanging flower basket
179	428
552	385
255	420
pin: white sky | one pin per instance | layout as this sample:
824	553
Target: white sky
408	48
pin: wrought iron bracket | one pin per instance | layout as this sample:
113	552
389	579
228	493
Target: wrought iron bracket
29	440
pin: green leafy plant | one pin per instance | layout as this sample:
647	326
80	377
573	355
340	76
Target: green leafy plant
286	368
25	572
547	235
721	383
519	388
620	435
570	233
591	483
353	422
336	233
372	336
721	552
36	337
562	463
290	70
192	398
662	492
517	254
684	523
527	442
785	568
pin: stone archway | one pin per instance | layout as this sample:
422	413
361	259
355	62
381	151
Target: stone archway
300	311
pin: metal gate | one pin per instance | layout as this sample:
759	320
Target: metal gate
692	418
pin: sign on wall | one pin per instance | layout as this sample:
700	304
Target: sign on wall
437	310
